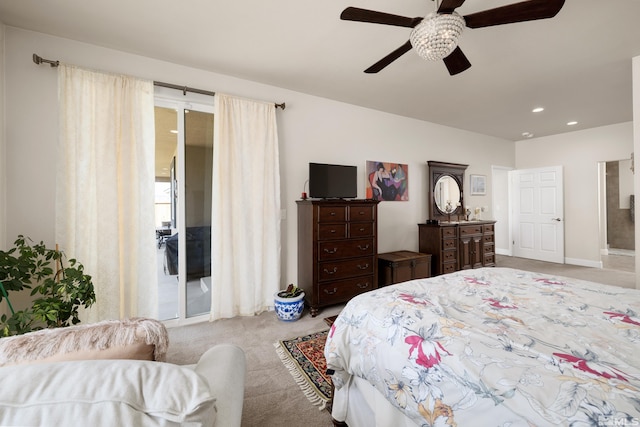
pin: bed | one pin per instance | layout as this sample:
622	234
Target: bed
488	347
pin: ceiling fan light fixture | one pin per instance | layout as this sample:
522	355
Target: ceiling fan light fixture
436	36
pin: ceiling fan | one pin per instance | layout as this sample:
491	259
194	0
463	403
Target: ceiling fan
435	36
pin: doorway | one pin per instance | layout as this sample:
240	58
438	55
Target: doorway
184	158
617	215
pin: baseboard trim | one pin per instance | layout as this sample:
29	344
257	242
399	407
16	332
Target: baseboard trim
506	252
583	262
570	261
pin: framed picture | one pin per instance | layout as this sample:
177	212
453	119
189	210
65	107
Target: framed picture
478	185
387	181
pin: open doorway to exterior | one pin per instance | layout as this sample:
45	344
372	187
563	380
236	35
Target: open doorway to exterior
184	157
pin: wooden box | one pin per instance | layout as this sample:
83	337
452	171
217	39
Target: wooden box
400	266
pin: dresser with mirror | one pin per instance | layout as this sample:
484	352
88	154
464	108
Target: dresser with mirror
455	240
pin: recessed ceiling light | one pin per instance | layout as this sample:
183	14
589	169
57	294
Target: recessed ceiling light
527	134
537	110
571	123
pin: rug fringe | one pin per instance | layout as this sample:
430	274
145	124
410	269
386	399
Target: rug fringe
299	378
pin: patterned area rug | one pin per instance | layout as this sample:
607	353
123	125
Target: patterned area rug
329	320
304	358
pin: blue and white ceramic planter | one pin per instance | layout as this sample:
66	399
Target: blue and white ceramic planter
288	309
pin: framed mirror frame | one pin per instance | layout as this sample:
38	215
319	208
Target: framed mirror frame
436	171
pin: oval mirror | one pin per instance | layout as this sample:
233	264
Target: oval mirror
445	185
446	193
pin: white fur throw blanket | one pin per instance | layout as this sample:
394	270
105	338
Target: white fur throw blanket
136	338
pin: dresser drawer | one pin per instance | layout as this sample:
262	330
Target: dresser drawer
468	230
332	213
488	248
488	239
449	244
361	213
489	259
343	290
448	268
448	232
449	256
332	231
333	270
345	249
487	228
360	229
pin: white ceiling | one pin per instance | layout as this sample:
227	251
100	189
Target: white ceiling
576	65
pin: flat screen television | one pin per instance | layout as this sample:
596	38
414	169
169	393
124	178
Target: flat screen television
332	181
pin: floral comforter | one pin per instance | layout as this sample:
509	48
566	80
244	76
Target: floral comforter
496	347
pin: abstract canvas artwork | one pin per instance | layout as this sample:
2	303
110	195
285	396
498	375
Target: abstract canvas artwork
387	181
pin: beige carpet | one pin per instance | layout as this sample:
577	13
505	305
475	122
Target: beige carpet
272	397
623	275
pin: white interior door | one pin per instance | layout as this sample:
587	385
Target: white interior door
538	217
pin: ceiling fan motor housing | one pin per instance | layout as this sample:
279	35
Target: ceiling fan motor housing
436	36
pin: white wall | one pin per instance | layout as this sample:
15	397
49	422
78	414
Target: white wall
311	129
501	210
636	149
3	202
579	153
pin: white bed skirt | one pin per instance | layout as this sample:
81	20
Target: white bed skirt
359	404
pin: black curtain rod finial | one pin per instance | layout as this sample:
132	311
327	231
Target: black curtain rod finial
39	60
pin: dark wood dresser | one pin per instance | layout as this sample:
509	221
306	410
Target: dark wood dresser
401	266
337	247
458	246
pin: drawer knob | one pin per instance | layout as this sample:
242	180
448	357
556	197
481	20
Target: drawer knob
361	228
363	267
363	248
331	292
332	214
331	251
335	270
363	285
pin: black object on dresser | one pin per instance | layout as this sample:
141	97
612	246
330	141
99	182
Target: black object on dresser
337	247
458	245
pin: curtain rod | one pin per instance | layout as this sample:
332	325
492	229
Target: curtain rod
39	60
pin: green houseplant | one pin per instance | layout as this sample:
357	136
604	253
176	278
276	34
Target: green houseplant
292	291
289	303
59	287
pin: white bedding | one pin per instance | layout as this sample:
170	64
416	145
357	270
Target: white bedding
494	347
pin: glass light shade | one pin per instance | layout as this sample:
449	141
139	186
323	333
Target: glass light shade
436	36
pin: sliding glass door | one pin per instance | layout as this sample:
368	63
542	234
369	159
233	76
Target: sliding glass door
184	151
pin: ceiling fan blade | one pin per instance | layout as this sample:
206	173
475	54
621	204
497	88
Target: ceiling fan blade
448	6
389	58
456	62
365	15
517	12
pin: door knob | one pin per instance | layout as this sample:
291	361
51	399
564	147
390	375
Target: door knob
556	219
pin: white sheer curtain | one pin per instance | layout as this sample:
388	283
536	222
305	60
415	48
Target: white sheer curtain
245	229
105	188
